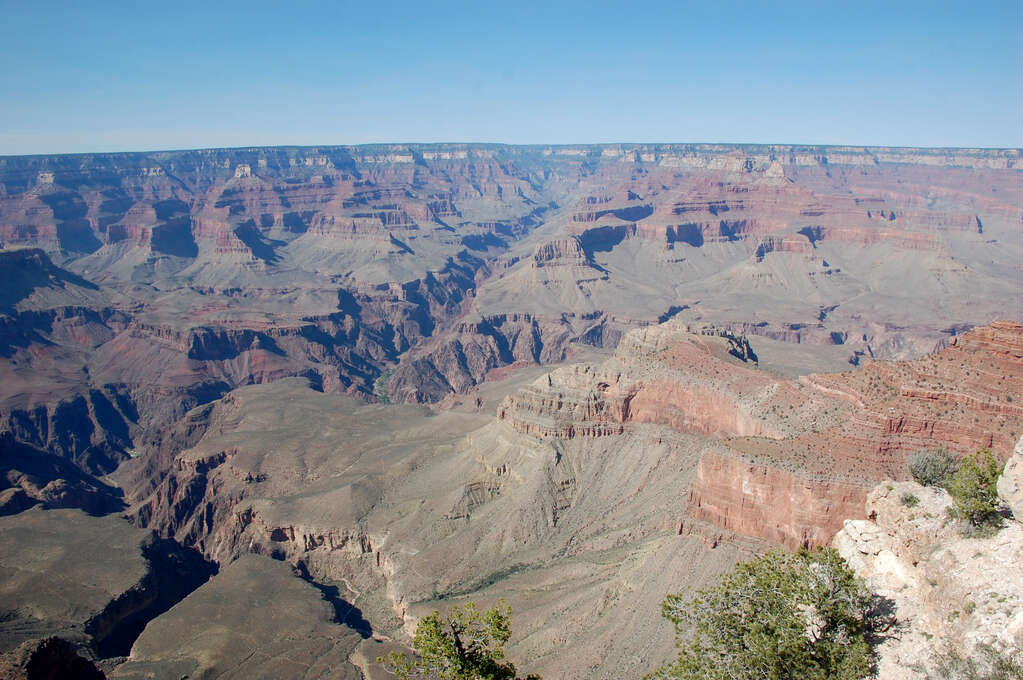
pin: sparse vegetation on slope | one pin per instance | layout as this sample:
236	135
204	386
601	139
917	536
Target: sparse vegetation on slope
972	482
986	663
953	586
932	468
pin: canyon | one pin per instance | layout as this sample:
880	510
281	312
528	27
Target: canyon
378	380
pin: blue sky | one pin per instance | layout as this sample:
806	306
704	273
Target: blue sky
102	76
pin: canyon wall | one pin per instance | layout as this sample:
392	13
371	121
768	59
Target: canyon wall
220	332
772	503
792	459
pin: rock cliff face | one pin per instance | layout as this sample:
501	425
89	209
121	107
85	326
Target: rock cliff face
693	380
769	502
1010	484
561	252
950	593
792	458
789	244
31	476
961	398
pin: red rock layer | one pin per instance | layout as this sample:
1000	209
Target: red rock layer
661	375
771	503
964	397
794	458
906	240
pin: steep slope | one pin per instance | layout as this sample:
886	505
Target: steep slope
293	633
93	581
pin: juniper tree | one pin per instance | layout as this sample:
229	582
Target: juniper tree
781	616
974	489
464	645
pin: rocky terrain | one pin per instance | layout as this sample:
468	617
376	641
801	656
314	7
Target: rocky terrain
790	458
215	632
438	507
963	397
412	271
950	593
595	489
574	377
92	581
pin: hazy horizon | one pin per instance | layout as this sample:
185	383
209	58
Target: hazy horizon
244	147
119	77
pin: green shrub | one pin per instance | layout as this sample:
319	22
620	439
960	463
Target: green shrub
932	468
464	645
380	386
783	615
909	500
974	489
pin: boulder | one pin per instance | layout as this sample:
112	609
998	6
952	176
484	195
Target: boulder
1010	484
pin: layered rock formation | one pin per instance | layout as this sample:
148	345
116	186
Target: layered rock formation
770	501
667	375
793	458
586	488
361	254
187	325
413	508
31	476
676	443
961	398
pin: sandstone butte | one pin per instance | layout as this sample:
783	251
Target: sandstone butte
790	459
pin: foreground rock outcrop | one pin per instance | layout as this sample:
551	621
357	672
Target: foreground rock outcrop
1010	484
950	593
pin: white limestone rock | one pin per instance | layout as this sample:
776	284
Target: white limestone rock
1010	484
949	592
